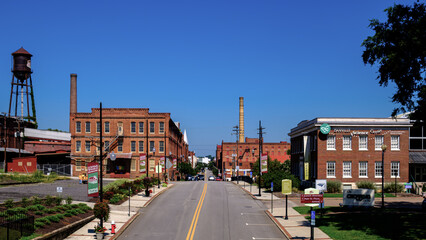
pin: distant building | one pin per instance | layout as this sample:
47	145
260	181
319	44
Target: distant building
351	151
227	157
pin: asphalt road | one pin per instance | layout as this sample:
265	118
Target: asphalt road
69	187
226	212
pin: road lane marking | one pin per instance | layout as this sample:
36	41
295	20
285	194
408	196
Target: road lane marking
266	238
191	231
258	214
261	224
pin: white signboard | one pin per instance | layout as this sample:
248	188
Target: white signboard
58	189
358	197
321	185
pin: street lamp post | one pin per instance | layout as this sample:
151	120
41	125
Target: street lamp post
383	174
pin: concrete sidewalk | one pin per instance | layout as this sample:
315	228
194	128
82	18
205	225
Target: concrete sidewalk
296	226
120	214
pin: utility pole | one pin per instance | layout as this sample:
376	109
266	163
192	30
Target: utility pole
5	140
260	129
236	131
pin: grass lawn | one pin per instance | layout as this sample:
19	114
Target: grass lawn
342	223
336	195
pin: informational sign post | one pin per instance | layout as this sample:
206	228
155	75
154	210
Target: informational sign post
174	163
286	189
358	197
162	163
93	179
311	198
142	163
264	160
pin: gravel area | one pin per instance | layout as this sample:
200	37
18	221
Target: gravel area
69	188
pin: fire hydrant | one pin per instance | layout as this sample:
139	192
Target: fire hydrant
113	227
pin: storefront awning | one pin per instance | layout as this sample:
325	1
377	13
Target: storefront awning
418	157
122	155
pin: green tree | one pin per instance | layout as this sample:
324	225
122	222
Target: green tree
186	168
276	173
399	48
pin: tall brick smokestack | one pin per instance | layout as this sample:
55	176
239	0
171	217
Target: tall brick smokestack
241	138
73	94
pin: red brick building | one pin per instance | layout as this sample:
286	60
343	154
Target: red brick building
129	132
248	153
352	150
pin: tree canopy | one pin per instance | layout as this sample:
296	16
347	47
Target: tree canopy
399	48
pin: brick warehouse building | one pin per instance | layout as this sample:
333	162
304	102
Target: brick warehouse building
248	153
351	151
128	132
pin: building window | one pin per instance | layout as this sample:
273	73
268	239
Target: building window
78	146
161	127
151	165
78	127
133	127
161	146
133	146
87	144
151	127
120	146
140	146
331	142
394	142
141	127
88	127
133	165
378	169
347	143
395	169
106	127
151	146
78	165
363	142
106	146
363	169
98	127
378	143
331	169
347	169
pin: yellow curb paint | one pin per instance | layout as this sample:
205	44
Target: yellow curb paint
194	221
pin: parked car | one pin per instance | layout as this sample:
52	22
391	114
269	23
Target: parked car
211	178
218	179
188	178
201	177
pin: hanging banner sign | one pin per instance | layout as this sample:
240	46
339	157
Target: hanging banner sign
163	167
174	163
264	160
92	181
142	163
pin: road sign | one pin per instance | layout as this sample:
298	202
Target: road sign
272	186
286	186
311	198
59	189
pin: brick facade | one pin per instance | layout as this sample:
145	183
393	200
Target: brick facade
139	128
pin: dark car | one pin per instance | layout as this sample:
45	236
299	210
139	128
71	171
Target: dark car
188	178
201	177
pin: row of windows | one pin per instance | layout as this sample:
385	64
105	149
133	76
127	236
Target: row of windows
140	128
362	169
363	142
140	146
82	165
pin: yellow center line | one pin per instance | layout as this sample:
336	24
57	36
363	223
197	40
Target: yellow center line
191	232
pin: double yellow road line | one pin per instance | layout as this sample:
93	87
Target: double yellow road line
191	232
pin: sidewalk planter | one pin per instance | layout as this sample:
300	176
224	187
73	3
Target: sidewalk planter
99	236
147	192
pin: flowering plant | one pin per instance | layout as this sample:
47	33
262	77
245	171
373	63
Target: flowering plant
101	210
99	229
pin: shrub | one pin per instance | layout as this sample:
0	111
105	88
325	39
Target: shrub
101	210
39	213
334	186
36	200
108	195
67	214
9	203
366	184
50	210
37	175
38	224
147	181
53	218
390	187
124	192
72	212
117	198
80	211
44	220
60	216
40	207
11	211
68	200
48	200
58	200
25	202
21	210
3	214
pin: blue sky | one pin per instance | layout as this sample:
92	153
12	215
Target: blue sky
290	60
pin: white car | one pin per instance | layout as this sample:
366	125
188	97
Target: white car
211	178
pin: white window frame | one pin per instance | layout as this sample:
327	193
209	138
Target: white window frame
78	127
151	146
98	127
347	169
161	127
106	146
331	142
106	126
120	146
378	142
378	169
151	127
394	167
331	169
133	165
87	127
363	146
133	146
132	127
363	166
347	142
395	140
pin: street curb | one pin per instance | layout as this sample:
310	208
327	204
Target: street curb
52	235
249	193
278	224
156	195
124	227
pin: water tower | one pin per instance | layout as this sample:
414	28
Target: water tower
21	87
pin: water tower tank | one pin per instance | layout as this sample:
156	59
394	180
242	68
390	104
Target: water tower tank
21	64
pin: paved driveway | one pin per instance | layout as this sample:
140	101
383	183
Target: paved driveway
69	187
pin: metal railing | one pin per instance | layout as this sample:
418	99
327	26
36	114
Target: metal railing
16	226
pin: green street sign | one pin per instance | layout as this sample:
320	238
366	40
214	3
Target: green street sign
325	128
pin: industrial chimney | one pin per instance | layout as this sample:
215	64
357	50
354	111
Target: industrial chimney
241	138
73	94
